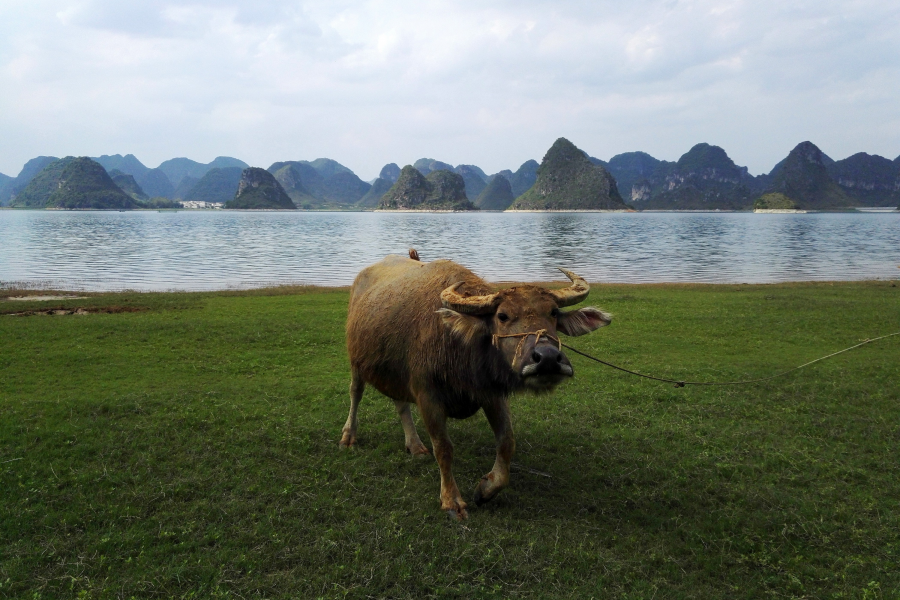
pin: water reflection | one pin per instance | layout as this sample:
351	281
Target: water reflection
216	250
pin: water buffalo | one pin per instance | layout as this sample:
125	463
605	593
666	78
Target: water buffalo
435	335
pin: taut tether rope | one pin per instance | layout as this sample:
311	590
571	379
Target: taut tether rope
679	383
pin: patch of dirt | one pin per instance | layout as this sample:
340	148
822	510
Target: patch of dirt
85	310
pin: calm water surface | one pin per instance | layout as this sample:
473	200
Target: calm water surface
207	250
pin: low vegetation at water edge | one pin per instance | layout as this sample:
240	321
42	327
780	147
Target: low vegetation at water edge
186	446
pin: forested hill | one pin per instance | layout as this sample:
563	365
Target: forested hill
73	183
706	178
568	180
441	189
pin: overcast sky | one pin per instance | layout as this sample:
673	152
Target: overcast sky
486	83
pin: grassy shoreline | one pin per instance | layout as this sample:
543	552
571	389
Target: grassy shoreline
188	448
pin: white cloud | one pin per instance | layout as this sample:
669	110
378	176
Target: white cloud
486	83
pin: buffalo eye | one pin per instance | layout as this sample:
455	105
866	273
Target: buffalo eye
554	313
503	317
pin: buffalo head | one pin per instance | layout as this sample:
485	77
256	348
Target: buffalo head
524	323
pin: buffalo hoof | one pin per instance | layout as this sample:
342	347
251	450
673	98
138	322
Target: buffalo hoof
456	510
457	515
485	491
418	450
479	499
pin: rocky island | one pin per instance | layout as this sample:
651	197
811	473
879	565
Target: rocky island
72	183
704	178
774	202
440	190
803	178
497	195
259	190
568	180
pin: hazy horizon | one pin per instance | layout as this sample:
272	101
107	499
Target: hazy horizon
368	83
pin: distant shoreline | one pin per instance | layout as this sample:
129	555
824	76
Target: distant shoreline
850	209
419	210
571	210
23	291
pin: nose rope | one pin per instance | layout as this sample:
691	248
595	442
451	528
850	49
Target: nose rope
537	337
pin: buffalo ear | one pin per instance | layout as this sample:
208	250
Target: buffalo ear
582	321
465	327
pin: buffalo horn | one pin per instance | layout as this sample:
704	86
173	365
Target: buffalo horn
469	305
573	294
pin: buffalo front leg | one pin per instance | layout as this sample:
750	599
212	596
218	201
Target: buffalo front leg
498	478
436	423
357	386
414	444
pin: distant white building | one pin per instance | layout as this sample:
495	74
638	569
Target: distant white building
194	204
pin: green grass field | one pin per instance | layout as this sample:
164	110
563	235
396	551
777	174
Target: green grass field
190	450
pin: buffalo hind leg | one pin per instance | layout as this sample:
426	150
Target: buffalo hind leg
357	386
498	478
436	422
414	444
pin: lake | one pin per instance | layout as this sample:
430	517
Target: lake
212	250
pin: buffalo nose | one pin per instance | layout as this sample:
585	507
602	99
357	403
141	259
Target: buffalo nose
546	358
